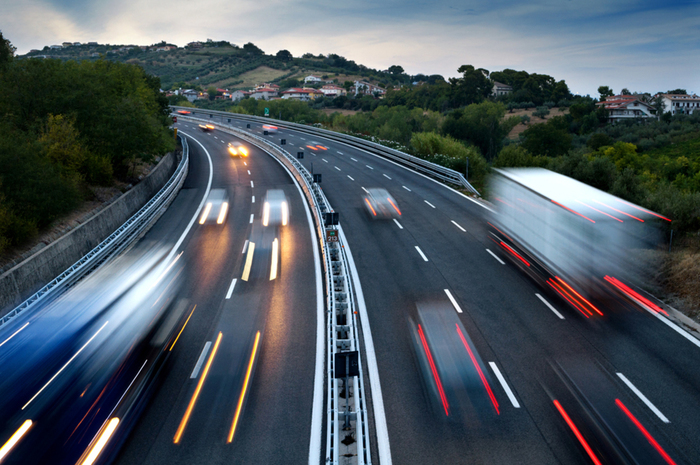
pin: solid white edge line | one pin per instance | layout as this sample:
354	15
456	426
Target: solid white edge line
429	203
382	432
674	327
506	388
14	334
397	223
454	302
200	360
245	246
252	215
550	306
421	253
455	223
644	399
496	257
201	204
230	289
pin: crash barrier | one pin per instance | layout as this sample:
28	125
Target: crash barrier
114	244
347	433
417	164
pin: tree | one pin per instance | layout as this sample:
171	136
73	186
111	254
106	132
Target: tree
677	92
7	51
541	112
252	49
284	55
396	70
481	124
473	87
605	92
560	92
547	139
625	91
658	104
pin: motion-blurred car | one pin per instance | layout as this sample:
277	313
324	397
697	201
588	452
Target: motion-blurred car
380	204
236	149
275	208
184	112
216	207
206	127
271	129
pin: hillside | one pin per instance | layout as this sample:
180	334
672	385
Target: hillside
220	64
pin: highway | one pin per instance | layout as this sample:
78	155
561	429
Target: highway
440	243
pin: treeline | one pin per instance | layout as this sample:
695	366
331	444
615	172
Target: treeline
65	126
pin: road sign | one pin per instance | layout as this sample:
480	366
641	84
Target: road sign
283	142
332	235
267	112
317	178
174	119
330	219
300	155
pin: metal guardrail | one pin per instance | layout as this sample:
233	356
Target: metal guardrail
347	433
115	243
418	164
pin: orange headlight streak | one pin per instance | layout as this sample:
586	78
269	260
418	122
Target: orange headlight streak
312	147
579	296
634	295
443	397
393	205
577	433
478	369
14	439
193	400
285	213
239	407
101	442
516	254
370	206
619	211
562	292
222	213
205	214
572	211
183	328
321	147
644	431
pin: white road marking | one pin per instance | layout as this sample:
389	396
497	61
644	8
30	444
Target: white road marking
251	217
496	257
429	203
382	432
253	200
14	334
351	178
452	299
215	137
365	189
455	223
223	142
369	167
561	317
230	288
644	399
245	246
324	160
251	184
421	253
397	223
248	171
248	262
387	176
352	159
506	388
302	138
246	164
409	190
338	168
339	152
200	360
673	327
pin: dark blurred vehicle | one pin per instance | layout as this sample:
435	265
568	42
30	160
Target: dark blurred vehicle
454	374
579	241
608	426
275	208
215	208
380	204
184	112
206	127
271	129
237	149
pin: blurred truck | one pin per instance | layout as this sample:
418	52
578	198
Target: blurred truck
581	242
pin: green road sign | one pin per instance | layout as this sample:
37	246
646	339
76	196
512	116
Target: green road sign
267	112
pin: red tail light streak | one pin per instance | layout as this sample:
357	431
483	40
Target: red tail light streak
433	368
577	433
370	206
394	205
572	211
644	210
478	369
646	434
573	297
619	211
516	254
635	295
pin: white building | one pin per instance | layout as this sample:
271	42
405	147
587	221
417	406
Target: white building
680	104
311	78
501	89
304	94
333	91
264	93
237	95
365	88
621	107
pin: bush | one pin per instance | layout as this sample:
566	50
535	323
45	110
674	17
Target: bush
514	156
451	153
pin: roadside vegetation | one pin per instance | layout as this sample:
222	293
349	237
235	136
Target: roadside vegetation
66	126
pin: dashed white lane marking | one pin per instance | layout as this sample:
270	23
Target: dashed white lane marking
339	152
351	178
387	177
369	167
251	184
324	160
409	190
302	138
506	388
246	164
252	215
248	171
230	288
496	257
455	223
353	159
253	200
200	360
561	317
215	137
397	223
644	399
223	142
452	299
245	246
338	168
421	253
429	203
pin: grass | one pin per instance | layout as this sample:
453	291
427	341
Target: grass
254	77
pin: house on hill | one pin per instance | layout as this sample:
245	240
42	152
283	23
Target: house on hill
678	104
333	91
365	88
237	95
501	89
312	79
621	107
263	93
304	94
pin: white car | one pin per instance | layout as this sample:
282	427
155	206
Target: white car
237	149
380	204
215	208
275	208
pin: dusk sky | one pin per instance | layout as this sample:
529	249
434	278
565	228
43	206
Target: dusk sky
644	45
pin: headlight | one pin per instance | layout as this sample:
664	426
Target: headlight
266	213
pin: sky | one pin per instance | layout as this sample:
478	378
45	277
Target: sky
642	45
